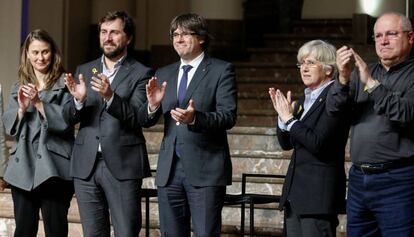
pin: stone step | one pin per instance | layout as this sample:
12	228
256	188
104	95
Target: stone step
279	71
248	138
275	55
258	120
247	104
260	90
295	41
269	79
247	161
325	26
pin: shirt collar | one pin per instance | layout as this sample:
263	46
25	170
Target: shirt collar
195	62
313	94
117	64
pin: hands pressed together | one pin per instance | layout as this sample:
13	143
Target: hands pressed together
344	57
282	104
28	94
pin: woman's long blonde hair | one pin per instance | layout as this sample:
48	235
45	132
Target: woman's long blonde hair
26	72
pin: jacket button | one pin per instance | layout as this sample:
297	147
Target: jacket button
97	138
39	156
16	159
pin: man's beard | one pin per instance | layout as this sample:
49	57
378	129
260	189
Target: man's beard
114	53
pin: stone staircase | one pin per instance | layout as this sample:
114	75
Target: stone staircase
274	65
254	147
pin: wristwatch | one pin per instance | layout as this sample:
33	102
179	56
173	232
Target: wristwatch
290	121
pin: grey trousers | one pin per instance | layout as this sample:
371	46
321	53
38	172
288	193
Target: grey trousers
102	197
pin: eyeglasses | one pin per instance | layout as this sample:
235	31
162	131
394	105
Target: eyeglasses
182	34
308	63
391	35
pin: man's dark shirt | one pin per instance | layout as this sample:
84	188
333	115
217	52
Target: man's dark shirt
382	120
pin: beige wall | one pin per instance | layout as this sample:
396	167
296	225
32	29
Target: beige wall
314	9
101	7
218	9
48	15
68	24
76	34
10	18
377	7
160	14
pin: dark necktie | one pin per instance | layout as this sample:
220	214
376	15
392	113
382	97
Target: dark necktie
180	97
183	85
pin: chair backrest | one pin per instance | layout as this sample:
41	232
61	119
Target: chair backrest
275	177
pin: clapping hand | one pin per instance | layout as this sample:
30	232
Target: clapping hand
77	90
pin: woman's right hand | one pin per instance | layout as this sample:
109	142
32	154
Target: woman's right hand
23	101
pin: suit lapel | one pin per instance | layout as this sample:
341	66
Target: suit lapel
121	74
197	78
170	98
94	71
49	95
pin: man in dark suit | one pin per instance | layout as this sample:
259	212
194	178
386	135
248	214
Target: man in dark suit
198	99
314	189
109	156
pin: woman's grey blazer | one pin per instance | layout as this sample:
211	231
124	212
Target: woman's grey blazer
3	150
43	145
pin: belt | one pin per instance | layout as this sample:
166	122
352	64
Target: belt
376	168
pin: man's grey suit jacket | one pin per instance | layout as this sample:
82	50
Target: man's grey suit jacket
115	128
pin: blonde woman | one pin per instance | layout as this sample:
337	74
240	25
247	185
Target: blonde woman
38	168
318	142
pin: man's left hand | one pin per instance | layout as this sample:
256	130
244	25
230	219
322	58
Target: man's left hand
184	116
102	85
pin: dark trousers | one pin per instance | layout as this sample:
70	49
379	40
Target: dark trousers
179	202
310	225
381	204
52	198
103	197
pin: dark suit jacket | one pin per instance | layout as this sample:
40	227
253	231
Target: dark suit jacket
315	181
204	148
116	128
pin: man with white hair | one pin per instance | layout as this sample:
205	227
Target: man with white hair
379	97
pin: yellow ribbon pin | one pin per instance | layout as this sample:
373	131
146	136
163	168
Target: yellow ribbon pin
94	71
